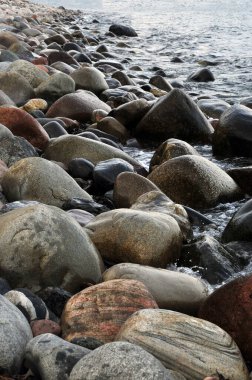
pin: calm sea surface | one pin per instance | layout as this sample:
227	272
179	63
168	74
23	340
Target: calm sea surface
219	31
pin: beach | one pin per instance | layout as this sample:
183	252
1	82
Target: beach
125	194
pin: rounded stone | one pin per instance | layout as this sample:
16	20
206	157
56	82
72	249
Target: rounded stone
170	148
89	78
54	129
195	182
106	172
240	226
161	83
113	127
16	87
45	326
120	361
22	124
175	115
29	71
13	149
35	178
50	357
171	290
148	238
230	307
66	148
81	216
243	177
35	104
191	346
202	75
56	86
128	187
15	333
213	107
43	246
78	105
122	30
80	168
55	298
99	311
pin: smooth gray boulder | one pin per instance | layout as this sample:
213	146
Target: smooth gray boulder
43	246
51	357
89	78
57	85
33	74
15	333
121	361
37	179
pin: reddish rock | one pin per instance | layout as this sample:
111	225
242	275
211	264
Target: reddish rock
23	124
44	326
230	307
40	61
99	311
41	67
78	106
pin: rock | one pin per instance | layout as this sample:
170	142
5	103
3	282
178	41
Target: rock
232	299
171	290
120	361
58	38
24	125
51	357
170	148
16	87
247	102
86	205
123	78
13	149
80	168
90	79
81	216
7	56
43	236
99	311
113	127
156	201
106	172
8	38
5	132
41	180
135	236
15	333
175	115
189	345
122	30
78	105
29	304
66	148
54	129
210	259
202	75
5	100
63	67
56	86
22	50
4	286
128	187
194	181
55	298
239	227
45	326
35	104
233	136
161	83
61	56
34	75
131	113
213	107
243	177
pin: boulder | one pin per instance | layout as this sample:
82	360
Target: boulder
213	107
171	148
35	178
24	125
15	333
171	290
195	182
13	149
128	187
243	177
113	127
78	105
8	38
44	326
43	246
191	346
233	135
66	148
161	83
239	227
56	86
122	30
230	307
61	56
202	75
175	115
121	361
15	87
50	357
29	71
135	236
99	311
90	79
131	113
5	100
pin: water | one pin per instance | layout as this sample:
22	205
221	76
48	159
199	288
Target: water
197	31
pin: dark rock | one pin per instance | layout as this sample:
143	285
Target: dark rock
240	226
72	46
87	342
93	207
4	286
80	168
122	30
81	57
202	75
62	56
54	129
243	177
15	205
13	149
55	299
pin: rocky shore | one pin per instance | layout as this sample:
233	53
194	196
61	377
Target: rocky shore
87	233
